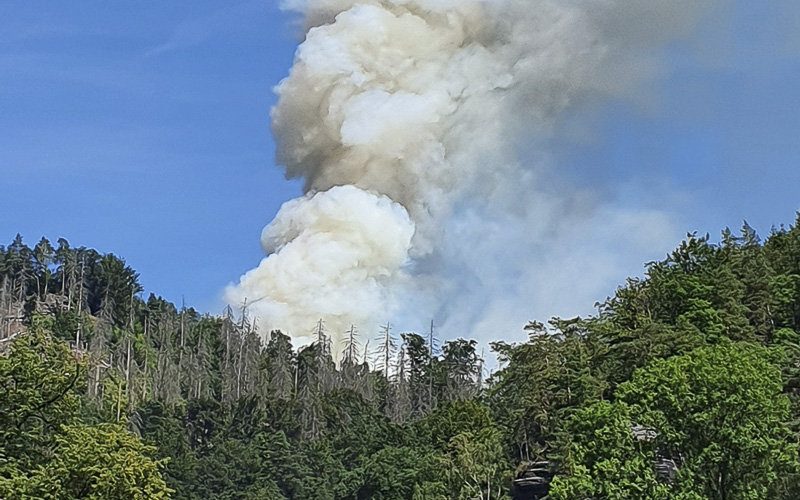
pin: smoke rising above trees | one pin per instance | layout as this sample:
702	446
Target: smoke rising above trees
712	329
404	117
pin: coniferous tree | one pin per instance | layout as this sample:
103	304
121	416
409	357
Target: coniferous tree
280	365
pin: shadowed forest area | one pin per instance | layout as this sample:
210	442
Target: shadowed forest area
685	384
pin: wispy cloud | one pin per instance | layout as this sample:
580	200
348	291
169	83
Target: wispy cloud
197	31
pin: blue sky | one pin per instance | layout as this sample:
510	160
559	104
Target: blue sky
142	129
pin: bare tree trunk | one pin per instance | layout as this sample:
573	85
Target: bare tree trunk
296	368
430	367
180	353
386	350
128	370
3	298
119	401
144	378
63	280
226	372
70	286
239	363
351	348
80	309
96	380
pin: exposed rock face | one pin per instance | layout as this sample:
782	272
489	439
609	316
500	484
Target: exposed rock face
532	481
52	304
666	469
11	322
643	434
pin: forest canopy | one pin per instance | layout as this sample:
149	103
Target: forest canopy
685	384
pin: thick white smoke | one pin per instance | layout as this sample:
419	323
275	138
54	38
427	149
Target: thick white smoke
399	114
328	251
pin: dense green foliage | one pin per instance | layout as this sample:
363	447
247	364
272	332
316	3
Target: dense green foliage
47	452
692	370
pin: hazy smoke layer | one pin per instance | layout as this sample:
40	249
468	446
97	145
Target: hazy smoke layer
404	115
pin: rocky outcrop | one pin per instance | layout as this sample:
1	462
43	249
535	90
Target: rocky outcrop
532	481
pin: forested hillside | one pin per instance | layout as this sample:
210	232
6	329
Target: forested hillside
686	384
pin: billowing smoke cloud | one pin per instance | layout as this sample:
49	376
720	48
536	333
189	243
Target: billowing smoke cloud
333	254
403	118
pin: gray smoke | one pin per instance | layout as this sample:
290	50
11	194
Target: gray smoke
403	117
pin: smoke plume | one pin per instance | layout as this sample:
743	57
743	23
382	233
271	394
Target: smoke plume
404	117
